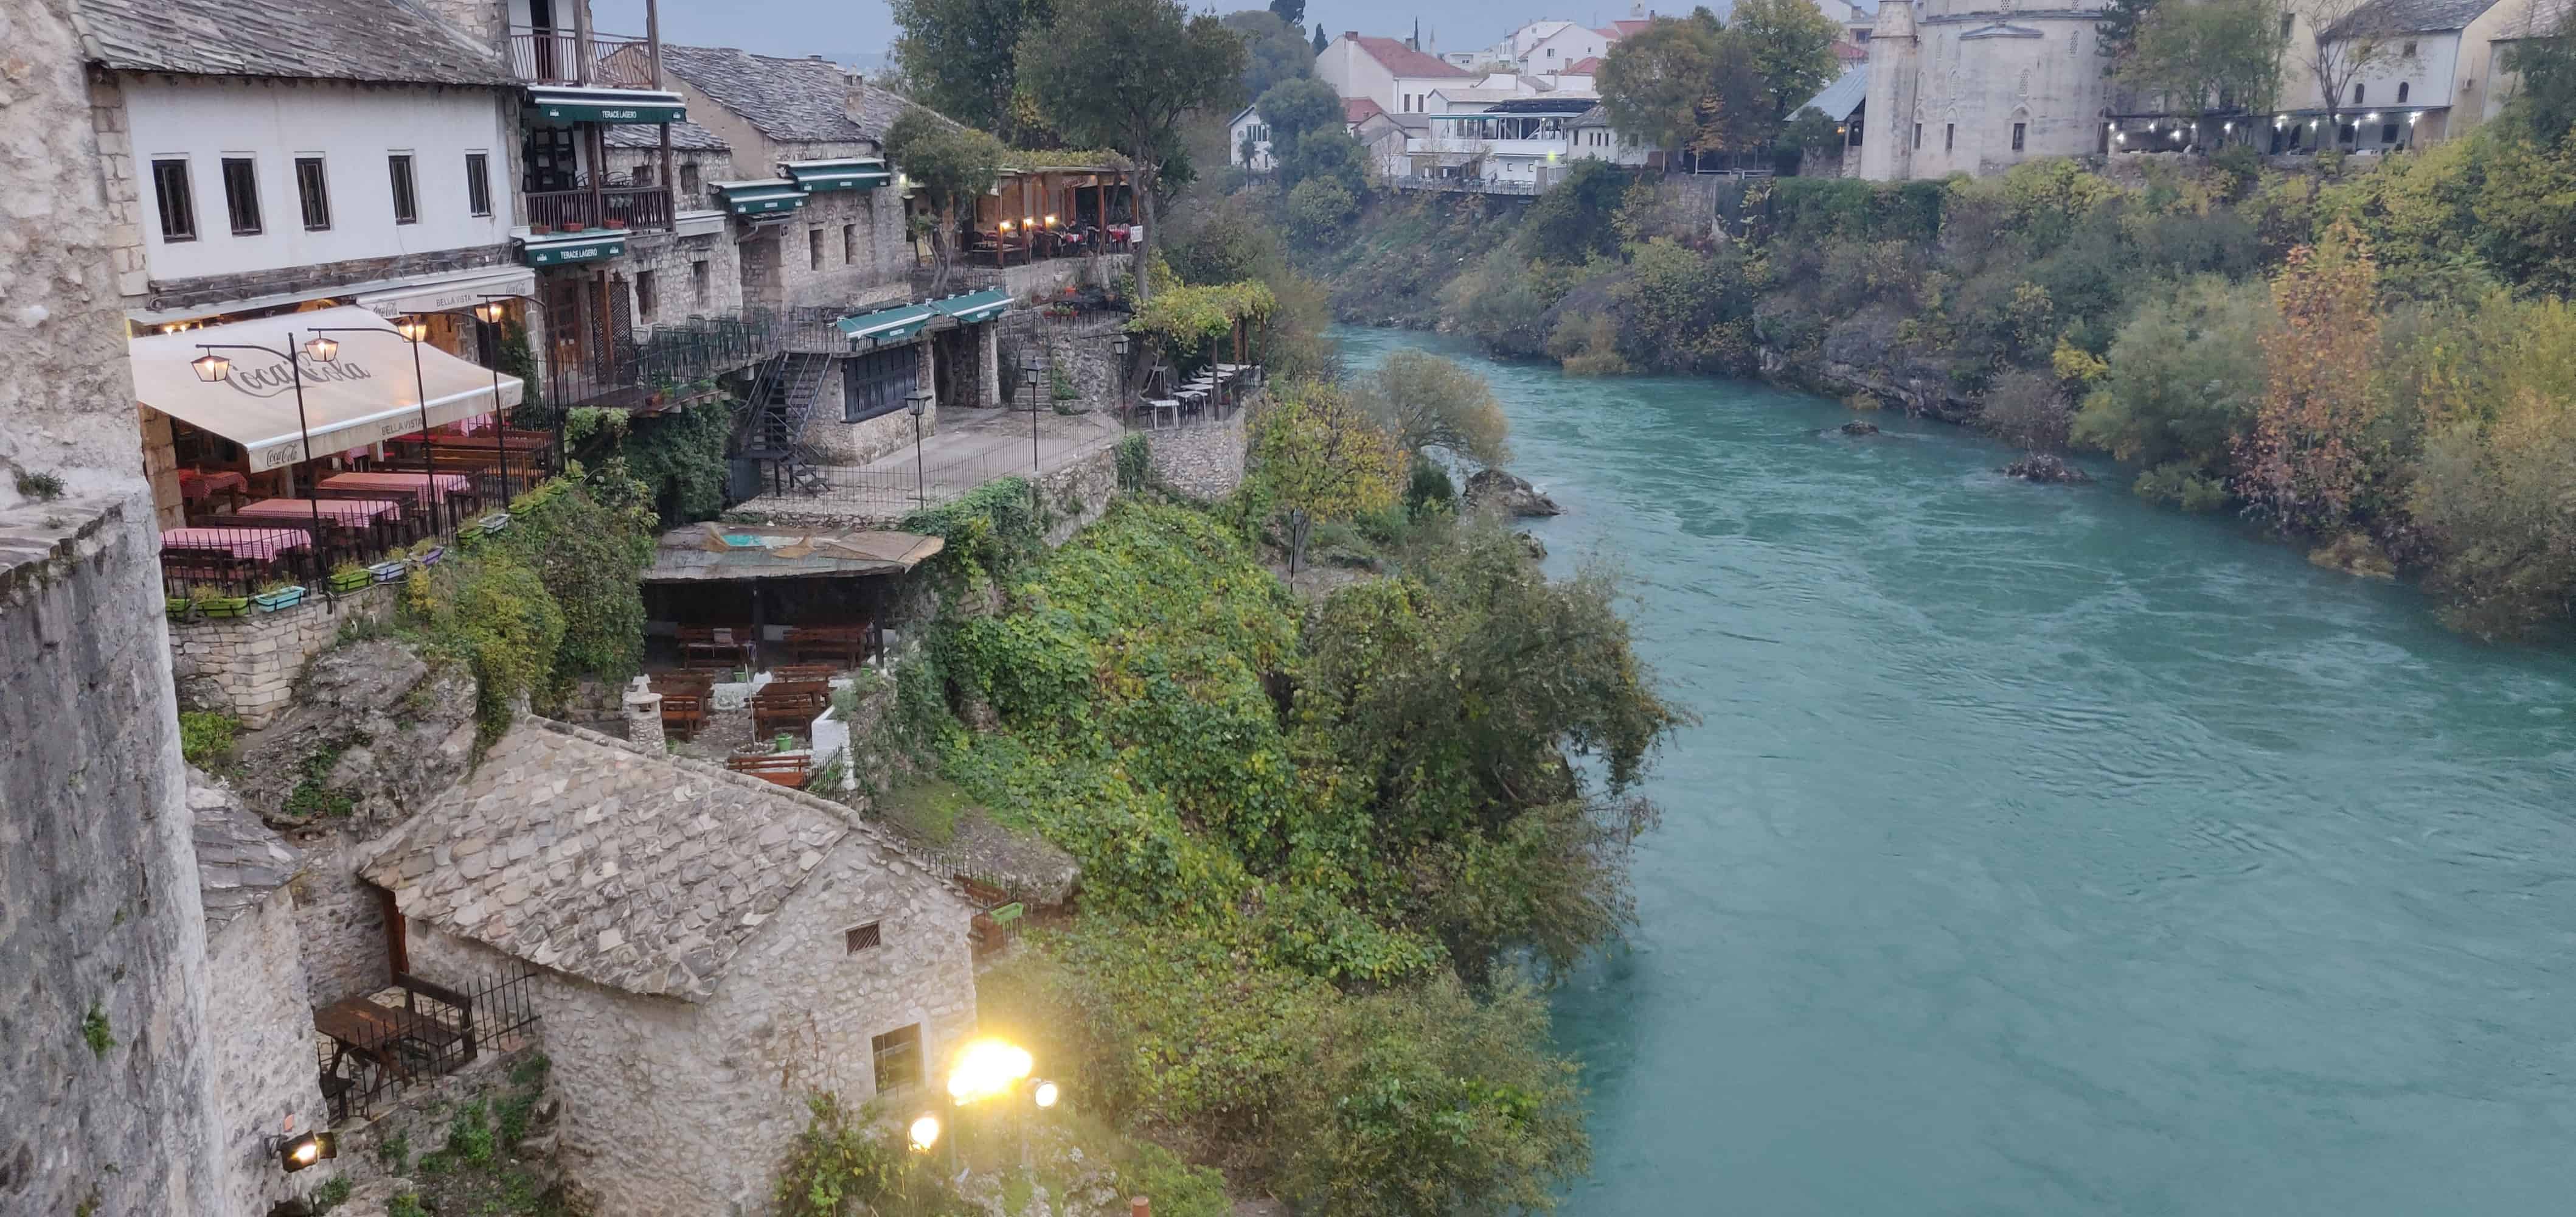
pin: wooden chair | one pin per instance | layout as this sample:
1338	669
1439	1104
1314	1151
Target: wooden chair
713	643
684	713
790	710
846	644
791	770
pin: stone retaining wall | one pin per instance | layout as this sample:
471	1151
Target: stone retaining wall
1203	461
246	666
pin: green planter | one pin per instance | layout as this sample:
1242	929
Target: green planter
225	606
351	580
177	606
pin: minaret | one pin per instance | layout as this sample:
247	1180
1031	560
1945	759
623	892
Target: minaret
1887	142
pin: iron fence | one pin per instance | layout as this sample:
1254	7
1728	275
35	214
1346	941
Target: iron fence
443	1030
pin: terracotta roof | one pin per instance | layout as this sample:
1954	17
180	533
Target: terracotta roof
376	41
1357	109
1589	65
1850	52
584	854
1402	60
1626	27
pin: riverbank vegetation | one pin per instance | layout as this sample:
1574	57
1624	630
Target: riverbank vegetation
2374	360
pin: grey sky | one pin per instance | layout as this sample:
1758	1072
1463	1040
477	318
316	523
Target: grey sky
842	29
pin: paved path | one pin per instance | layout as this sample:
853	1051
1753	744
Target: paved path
972	447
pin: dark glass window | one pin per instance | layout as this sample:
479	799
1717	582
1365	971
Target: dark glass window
241	195
898	1058
2401	92
478	183
178	206
2019	130
877	383
406	191
647	295
313	190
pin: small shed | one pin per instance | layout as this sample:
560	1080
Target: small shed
769	579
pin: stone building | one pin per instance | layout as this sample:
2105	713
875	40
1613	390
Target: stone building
105	1066
2409	72
709	949
1977	86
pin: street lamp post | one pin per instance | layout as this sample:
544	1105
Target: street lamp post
412	332
213	368
1119	345
1029	377
917	404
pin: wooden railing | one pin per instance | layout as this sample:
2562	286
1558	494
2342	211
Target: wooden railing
557	57
609	207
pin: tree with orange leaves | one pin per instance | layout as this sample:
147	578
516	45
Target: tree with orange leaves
2308	460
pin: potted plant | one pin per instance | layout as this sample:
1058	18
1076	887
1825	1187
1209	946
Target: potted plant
541	230
616	222
574	226
496	521
349	576
278	594
427	553
213	601
390	570
177	606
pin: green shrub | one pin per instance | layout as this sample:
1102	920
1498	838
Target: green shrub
1135	458
332	1194
206	738
469	1134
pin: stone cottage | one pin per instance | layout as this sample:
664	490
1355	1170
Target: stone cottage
710	949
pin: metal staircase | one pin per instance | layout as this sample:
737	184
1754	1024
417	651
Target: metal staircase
772	424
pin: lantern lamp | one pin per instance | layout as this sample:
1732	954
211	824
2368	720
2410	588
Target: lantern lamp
212	367
1045	1094
488	312
916	404
924	1133
412	329
323	350
294	1154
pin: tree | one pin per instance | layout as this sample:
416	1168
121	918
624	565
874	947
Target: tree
1791	47
2181	387
1291	13
1273	50
2544	106
1577	218
1122	74
1651	83
960	57
1424	401
2208	54
1733	111
2307	462
1292	108
1317	208
1321	459
948	165
1320	41
2117	31
2346	43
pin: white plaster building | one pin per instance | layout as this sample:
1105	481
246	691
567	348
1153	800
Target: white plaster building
1544	46
709	949
1399	78
1977	86
2434	74
1519	142
1247	142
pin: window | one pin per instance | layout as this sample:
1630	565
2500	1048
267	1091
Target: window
313	190
898	1058
849	243
814	247
178	207
863	937
2401	93
2409	53
478	183
241	194
2387	133
698	282
876	384
2356	94
643	175
406	192
689	179
646	297
2286	20
2019	129
1949	136
1918	135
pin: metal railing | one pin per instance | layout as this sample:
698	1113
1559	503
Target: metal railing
1467	185
675	359
455	1027
609	207
558	57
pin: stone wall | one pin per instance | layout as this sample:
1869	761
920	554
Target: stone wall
688	1108
866	258
843	443
103	1054
264	1065
246	666
672	260
340	921
1079	493
1203	461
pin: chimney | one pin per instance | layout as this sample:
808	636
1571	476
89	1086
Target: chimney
1353	35
644	716
1138	1206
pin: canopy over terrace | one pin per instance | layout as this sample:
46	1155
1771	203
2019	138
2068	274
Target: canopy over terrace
795	593
364	396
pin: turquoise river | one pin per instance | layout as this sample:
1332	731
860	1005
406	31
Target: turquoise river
2041	852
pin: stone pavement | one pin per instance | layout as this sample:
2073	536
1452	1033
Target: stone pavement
972	447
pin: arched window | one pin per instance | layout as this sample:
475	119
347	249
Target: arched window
2356	94
2401	93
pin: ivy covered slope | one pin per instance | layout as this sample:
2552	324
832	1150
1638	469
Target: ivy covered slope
1310	837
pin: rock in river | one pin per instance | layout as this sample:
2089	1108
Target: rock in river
2043	467
1511	494
1857	427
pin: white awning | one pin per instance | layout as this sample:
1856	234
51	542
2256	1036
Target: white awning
366	395
451	293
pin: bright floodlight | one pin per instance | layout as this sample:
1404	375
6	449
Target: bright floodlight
986	1068
1046	1094
925	1133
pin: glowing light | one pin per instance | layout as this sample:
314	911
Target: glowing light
1050	221
411	330
1006	226
323	350
212	367
1046	1094
924	1133
308	1153
987	1067
488	312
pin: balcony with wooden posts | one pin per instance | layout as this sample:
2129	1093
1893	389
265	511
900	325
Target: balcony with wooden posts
603	208
581	58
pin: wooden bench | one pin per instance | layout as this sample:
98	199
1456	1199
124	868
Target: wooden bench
714	643
788	707
847	644
684	713
786	769
804	671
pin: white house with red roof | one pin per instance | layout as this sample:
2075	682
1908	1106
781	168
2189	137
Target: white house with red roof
1388	71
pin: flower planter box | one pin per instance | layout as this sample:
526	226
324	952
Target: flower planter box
387	572
284	597
225	606
177	606
430	556
350	580
496	521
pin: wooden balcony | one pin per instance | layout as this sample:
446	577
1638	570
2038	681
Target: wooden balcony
609	207
560	57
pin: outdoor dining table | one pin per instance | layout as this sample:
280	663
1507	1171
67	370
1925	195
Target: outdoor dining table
351	513
249	543
377	1033
447	483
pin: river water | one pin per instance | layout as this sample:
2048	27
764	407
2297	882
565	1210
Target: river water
2041	852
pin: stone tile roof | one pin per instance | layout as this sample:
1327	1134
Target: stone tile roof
240	861
383	41
685	137
581	853
2410	16
799	100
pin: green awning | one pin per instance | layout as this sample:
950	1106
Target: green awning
773	196
975	306
606	106
852	173
564	249
887	324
